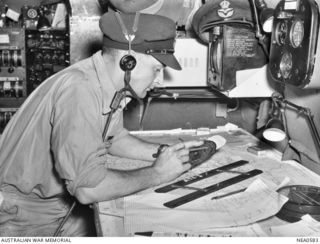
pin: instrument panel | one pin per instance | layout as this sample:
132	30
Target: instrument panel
46	53
30	54
294	42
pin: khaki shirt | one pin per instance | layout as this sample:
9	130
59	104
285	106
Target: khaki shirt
57	133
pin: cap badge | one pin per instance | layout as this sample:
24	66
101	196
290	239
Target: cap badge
225	11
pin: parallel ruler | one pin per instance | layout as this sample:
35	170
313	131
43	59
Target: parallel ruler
205	191
201	176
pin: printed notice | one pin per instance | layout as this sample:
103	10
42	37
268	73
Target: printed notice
4	39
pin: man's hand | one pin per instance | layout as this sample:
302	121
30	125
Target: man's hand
172	162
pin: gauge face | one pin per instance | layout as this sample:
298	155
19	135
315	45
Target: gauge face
281	32
32	13
296	33
286	65
218	58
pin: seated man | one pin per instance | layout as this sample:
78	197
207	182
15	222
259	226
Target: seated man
54	147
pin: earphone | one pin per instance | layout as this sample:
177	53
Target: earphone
128	62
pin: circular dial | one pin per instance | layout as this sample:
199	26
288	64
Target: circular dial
296	33
217	58
281	32
32	13
286	65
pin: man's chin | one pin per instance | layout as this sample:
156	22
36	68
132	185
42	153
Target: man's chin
142	95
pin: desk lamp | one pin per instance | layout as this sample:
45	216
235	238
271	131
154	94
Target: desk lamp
274	131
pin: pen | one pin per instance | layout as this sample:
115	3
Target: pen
228	194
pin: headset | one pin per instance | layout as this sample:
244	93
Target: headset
127	64
128	61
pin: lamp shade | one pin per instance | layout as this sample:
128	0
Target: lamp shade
43	23
274	130
266	19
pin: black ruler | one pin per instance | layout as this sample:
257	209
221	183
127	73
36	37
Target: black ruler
205	191
201	176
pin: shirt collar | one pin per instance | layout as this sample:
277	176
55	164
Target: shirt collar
105	82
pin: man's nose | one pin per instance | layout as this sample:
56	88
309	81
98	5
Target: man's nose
158	81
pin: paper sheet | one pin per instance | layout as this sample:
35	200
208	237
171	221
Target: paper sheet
253	79
307	226
4	39
145	212
253	230
59	20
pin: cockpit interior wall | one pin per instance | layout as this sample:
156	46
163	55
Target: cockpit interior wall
85	35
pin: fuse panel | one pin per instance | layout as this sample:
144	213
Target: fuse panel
46	53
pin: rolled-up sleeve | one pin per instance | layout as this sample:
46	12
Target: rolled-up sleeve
76	139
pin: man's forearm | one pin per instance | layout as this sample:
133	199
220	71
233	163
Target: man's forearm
119	183
170	164
133	147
